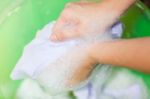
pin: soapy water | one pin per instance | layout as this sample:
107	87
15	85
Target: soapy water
30	89
61	76
119	84
53	65
54	76
65	67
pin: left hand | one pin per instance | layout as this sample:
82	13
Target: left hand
85	64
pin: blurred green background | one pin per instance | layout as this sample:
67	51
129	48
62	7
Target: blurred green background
21	19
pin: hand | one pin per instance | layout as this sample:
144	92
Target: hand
81	19
81	66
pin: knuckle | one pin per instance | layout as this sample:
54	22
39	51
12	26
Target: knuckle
74	5
63	15
69	5
67	10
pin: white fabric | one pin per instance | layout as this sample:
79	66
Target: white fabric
30	89
121	84
118	84
52	64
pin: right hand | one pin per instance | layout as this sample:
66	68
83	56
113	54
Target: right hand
83	18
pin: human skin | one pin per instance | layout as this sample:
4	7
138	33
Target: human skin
132	53
86	18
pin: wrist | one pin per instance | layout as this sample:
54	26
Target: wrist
94	50
115	8
103	52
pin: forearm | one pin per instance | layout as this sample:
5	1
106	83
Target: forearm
116	7
112	10
134	53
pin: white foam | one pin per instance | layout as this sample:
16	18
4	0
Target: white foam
53	64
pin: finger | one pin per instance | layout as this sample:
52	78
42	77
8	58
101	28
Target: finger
56	28
74	6
71	5
65	28
65	33
66	15
77	4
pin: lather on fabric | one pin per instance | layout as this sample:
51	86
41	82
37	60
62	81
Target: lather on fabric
112	83
52	64
121	84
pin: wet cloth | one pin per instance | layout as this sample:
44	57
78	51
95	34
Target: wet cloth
52	64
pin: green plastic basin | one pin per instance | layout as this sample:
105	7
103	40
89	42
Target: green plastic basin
20	19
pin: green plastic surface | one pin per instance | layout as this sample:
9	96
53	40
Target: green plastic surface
21	19
137	24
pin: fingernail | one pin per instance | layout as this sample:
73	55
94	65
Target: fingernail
53	37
